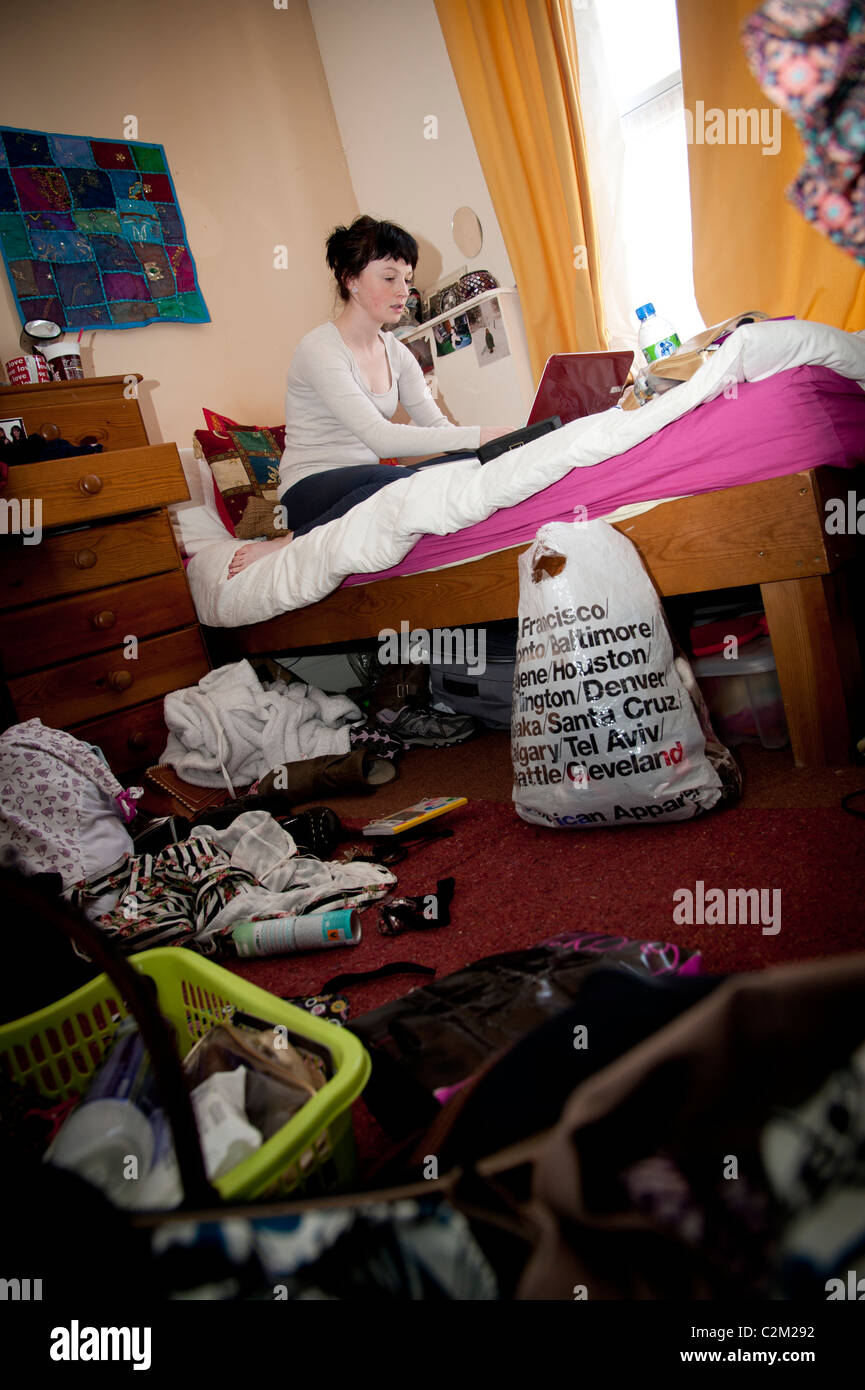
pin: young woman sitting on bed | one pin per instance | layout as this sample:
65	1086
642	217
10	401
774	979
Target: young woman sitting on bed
344	383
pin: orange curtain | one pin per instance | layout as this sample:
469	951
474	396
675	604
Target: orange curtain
752	249
515	62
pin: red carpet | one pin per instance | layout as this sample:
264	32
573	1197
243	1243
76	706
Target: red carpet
518	884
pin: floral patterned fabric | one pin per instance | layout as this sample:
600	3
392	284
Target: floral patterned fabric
59	804
167	899
809	58
193	893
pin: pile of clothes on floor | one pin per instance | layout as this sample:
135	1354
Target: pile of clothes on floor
241	720
244	746
63	814
590	1118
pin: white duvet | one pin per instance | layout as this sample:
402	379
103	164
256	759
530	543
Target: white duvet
381	531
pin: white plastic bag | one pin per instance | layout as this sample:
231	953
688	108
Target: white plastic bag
608	727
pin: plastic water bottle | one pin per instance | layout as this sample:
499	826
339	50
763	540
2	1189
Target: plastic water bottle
657	337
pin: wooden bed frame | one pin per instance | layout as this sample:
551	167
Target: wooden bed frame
769	533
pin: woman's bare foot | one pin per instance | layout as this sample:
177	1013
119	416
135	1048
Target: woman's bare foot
248	554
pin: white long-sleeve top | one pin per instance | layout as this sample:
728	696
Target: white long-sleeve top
332	419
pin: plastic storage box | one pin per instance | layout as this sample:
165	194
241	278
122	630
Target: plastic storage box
744	696
58	1048
488	696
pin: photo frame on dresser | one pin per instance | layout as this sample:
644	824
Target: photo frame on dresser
12	430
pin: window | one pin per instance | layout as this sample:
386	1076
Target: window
631	87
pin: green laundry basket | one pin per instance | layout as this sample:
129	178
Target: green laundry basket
58	1048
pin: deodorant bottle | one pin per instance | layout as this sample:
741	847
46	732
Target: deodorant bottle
280	936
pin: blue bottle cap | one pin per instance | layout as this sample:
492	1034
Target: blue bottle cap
644	311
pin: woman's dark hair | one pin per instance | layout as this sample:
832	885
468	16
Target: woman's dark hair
350	249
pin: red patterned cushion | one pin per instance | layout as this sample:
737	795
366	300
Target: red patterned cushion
217	424
244	462
220	425
207	446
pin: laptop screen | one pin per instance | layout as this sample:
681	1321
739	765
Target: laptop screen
574	384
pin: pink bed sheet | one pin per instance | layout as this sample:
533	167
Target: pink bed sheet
807	417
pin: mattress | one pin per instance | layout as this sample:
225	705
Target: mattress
805	418
777	397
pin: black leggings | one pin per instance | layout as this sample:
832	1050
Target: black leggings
324	496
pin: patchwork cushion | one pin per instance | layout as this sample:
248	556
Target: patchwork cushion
244	461
221	424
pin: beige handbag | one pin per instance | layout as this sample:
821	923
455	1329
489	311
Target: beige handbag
668	372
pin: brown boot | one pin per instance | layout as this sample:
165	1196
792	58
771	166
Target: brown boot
337	774
400	705
397	686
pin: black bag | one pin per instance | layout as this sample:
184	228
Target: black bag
438	1036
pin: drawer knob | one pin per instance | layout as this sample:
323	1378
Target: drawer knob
102	620
85	559
120	680
90	484
137	742
49	432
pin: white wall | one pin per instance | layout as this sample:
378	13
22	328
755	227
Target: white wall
388	69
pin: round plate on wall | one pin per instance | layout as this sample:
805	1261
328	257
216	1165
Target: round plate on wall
467	232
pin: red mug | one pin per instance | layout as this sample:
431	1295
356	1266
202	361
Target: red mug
67	367
24	371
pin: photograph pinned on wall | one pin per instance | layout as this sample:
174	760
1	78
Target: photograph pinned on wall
421	350
451	335
12	431
488	332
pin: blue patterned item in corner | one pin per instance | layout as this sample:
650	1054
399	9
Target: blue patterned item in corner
91	233
809	58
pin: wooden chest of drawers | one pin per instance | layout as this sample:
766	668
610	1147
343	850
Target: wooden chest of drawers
96	620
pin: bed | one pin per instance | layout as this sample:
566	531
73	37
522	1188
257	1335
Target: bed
755	515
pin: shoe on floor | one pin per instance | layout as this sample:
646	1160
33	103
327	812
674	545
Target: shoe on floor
334	774
375	739
316	832
421	727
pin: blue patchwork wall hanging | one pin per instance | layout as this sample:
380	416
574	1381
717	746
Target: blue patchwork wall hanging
92	234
